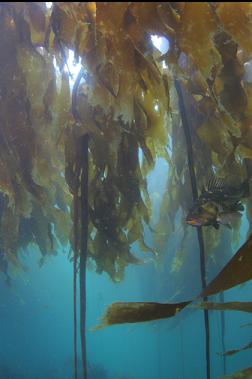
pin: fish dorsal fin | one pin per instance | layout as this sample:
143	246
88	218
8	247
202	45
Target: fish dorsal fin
214	184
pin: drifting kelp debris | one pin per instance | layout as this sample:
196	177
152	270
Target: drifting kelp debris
238	270
124	98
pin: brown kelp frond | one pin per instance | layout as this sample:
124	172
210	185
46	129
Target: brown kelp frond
229	306
122	114
125	99
237	271
230	276
245	325
119	313
235	351
243	374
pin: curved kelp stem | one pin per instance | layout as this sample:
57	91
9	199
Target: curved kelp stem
186	128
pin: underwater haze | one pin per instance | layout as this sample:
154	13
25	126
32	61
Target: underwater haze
125	190
36	319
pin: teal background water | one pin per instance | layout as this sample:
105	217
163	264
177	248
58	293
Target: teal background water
36	319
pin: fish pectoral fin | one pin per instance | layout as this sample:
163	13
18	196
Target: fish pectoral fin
230	219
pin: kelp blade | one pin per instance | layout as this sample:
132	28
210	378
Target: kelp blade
230	306
244	374
237	271
120	313
128	105
235	351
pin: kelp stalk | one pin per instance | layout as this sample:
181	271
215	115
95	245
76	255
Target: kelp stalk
75	296
222	315
186	128
80	231
75	261
83	247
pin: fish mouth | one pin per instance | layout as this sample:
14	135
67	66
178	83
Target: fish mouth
193	222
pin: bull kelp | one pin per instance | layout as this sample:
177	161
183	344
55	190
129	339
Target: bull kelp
75	156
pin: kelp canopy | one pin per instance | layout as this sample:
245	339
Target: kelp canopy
124	99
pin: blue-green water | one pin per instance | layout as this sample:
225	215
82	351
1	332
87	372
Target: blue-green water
36	321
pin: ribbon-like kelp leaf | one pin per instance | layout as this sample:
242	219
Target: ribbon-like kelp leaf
232	15
238	270
229	306
235	351
126	103
243	374
119	313
245	325
195	37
